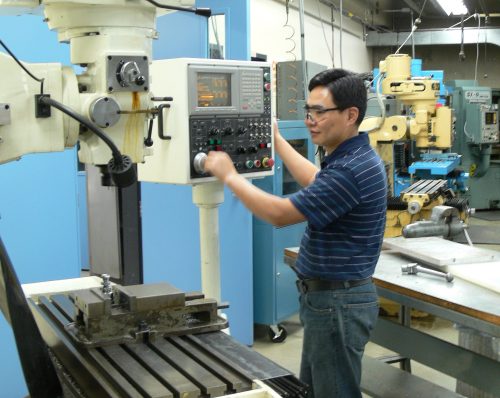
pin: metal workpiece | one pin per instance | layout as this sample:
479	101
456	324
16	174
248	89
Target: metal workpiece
131	313
414	269
445	221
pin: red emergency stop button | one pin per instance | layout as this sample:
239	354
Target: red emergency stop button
267	162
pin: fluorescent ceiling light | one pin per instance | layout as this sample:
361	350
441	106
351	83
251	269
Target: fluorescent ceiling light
453	7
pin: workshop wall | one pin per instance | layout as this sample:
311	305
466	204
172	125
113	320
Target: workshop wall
271	37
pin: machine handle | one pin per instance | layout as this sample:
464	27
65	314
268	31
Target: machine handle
160	122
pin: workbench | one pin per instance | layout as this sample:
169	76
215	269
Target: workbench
462	302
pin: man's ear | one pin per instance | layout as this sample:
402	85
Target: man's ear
352	115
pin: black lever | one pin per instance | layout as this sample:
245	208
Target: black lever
39	373
204	12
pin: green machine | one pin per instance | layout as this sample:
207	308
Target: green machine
476	138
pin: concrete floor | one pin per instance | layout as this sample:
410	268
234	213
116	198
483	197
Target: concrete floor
287	353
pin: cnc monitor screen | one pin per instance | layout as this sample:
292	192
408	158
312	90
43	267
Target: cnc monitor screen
213	89
490	117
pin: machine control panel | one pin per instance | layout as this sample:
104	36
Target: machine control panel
217	106
481	125
231	112
247	141
489	125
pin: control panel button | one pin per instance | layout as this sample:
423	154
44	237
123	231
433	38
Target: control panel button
249	164
267	162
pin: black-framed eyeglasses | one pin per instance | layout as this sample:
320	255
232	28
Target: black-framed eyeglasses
313	113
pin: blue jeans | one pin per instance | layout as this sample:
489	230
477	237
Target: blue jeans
337	326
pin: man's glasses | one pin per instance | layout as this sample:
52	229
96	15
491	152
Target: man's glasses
313	114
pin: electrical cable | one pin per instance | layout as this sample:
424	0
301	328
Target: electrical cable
413	29
120	166
422	10
458	23
341	31
86	122
477	45
22	66
206	12
324	33
292	34
380	102
292	76
461	54
332	20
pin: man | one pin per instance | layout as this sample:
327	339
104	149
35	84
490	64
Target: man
344	204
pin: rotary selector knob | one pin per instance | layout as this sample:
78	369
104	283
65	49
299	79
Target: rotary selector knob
213	131
199	162
129	74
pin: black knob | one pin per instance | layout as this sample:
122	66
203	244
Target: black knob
122	171
140	80
240	150
242	130
252	149
228	131
213	131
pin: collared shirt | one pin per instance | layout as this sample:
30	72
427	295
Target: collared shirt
345	208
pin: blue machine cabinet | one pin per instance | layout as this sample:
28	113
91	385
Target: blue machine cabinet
275	295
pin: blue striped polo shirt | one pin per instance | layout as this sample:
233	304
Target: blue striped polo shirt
345	208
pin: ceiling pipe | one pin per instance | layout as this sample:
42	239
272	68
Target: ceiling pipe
431	37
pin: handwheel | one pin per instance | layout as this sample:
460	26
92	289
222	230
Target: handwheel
277	333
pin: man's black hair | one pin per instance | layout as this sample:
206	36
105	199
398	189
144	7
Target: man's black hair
347	89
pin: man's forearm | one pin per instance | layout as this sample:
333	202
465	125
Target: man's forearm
270	208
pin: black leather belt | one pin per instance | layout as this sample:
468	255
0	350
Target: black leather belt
314	285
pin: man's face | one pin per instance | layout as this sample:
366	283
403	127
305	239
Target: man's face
329	126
